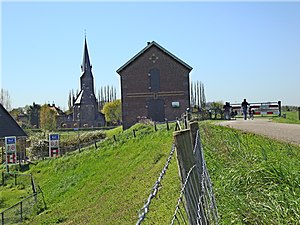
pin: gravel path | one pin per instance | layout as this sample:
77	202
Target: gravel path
286	132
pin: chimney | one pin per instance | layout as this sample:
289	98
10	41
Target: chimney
148	43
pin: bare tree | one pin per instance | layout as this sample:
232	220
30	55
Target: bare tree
5	99
198	95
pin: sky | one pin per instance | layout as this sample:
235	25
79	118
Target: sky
237	49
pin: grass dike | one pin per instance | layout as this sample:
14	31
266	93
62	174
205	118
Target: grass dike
108	185
256	180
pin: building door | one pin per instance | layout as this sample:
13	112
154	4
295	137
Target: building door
154	80
156	110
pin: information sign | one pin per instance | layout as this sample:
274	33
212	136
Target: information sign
54	145
11	150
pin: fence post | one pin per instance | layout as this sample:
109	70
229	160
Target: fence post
115	139
167	122
299	112
185	122
133	133
186	160
15	175
2	216
21	212
279	108
194	127
155	128
3	178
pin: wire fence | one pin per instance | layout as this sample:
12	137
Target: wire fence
17	179
24	209
19	212
196	204
145	208
197	198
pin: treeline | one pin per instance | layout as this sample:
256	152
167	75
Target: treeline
197	93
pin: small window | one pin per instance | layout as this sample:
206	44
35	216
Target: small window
175	104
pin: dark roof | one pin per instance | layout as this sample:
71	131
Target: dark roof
86	65
149	45
8	126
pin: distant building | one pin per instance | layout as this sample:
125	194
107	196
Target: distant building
154	84
9	127
85	105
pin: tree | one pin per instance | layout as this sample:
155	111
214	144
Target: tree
5	99
198	99
217	105
106	94
113	111
47	118
202	96
70	101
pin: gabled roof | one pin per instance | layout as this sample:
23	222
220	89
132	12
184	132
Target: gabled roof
153	43
8	126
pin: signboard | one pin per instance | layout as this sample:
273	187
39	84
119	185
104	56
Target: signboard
11	150
54	145
175	104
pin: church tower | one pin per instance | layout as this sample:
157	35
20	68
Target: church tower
85	111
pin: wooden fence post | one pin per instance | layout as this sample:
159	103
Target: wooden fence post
186	160
21	212
299	112
3	178
167	122
196	141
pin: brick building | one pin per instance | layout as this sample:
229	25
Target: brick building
154	84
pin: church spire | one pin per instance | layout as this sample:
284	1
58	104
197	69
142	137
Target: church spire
86	65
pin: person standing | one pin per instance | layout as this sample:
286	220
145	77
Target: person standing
245	107
227	108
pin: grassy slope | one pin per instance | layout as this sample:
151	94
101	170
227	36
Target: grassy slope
10	195
256	180
108	185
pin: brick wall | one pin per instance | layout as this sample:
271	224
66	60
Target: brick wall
135	83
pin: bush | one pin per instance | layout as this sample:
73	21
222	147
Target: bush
40	145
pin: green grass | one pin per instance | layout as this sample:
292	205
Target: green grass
108	185
256	180
292	117
11	194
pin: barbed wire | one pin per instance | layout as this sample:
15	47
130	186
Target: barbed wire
145	209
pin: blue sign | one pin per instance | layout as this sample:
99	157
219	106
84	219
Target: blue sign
54	137
10	140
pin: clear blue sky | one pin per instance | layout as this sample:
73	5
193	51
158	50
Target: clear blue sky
237	49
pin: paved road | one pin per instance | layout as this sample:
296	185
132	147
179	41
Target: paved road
286	132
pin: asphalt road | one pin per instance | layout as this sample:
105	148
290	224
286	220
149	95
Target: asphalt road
285	132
